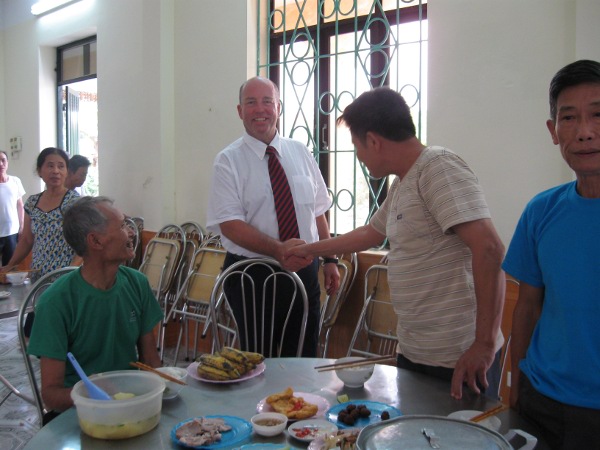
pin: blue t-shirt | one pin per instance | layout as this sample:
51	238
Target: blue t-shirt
556	246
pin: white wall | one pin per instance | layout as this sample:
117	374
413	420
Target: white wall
169	72
490	64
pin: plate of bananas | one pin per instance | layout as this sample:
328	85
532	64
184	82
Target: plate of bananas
229	365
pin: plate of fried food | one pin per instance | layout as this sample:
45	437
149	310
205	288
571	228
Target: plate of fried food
295	405
229	365
210	432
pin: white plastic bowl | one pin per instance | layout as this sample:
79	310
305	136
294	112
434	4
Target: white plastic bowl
354	377
172	389
269	423
16	278
120	419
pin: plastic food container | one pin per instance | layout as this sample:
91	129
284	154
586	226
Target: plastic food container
120	419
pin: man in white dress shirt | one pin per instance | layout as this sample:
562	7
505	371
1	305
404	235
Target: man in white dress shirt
242	208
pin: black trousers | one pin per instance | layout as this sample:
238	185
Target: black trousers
7	247
563	427
309	276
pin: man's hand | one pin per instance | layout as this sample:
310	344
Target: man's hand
332	278
288	260
471	367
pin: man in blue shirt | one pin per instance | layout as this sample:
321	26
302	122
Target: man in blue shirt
555	254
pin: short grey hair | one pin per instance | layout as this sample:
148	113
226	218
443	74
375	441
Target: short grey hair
264	80
83	218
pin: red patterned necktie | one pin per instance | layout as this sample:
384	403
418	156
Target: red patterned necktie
284	203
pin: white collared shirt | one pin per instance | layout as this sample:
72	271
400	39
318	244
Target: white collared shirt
241	189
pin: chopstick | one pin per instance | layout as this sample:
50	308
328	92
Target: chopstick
350	364
143	366
489	413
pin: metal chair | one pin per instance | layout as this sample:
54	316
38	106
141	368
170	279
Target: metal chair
375	332
332	304
212	241
161	262
28	306
259	321
193	298
131	224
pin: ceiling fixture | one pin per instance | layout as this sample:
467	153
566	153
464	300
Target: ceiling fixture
47	6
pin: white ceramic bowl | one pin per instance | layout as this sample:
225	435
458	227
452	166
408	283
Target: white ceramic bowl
354	377
120	419
172	389
16	278
269	423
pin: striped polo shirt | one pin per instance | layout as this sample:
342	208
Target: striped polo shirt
429	267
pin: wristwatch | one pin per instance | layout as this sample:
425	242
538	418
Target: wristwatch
328	260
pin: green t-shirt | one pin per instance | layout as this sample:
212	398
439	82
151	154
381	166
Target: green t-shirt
100	328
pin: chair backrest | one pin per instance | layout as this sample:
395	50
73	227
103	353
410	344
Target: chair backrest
259	297
510	300
160	263
205	267
131	224
332	304
212	241
194	232
375	332
28	306
136	224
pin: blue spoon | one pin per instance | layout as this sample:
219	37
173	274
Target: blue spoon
93	391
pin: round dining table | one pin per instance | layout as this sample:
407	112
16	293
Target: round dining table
410	392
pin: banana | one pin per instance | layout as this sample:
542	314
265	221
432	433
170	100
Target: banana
212	373
234	354
241	368
219	362
254	358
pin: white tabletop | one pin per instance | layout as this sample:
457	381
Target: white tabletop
411	393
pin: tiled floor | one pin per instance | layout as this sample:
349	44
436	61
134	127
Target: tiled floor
18	419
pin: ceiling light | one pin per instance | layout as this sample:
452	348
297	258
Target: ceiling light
46	6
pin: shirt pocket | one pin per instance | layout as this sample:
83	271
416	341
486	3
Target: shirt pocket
408	229
304	191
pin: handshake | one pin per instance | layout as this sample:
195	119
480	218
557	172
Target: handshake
295	255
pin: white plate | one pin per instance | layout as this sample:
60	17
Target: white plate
493	423
320	443
192	370
308	430
322	404
4	294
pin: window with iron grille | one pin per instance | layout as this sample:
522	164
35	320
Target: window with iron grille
323	54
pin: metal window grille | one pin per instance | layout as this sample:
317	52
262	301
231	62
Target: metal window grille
324	53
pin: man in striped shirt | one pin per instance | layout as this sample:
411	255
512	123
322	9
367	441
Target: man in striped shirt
444	272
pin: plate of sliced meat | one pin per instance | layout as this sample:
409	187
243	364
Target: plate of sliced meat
210	432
